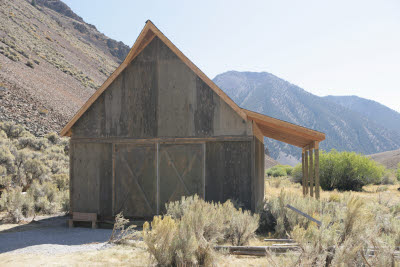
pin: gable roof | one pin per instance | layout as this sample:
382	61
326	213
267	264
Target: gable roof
268	126
284	131
145	37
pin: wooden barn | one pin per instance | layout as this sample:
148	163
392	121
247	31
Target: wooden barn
159	129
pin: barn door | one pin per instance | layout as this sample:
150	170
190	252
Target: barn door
135	180
181	172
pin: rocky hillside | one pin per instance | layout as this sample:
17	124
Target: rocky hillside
373	110
390	159
344	128
51	61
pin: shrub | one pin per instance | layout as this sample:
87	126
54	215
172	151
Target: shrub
345	171
122	234
389	177
398	172
242	228
159	240
30	64
35	169
53	138
62	181
38	166
191	228
279	170
17	204
297	174
12	130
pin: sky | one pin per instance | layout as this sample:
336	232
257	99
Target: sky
326	47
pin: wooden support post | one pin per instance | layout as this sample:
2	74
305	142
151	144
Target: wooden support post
306	170
303	181
311	171
317	170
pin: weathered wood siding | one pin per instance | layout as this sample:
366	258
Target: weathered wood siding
157	95
135	180
228	172
157	133
91	181
258	178
181	172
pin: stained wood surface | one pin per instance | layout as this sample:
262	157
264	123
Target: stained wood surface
146	37
181	172
91	178
311	171
317	185
135	180
284	131
258	178
228	172
158	95
306	177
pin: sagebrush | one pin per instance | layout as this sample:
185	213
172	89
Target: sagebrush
354	232
33	172
191	228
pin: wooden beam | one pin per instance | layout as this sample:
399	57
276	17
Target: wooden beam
311	171
317	193
276	134
302	171
306	170
182	140
297	130
257	132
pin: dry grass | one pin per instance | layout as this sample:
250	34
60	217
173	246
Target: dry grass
274	186
114	256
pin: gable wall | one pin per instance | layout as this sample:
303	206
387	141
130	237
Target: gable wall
157	95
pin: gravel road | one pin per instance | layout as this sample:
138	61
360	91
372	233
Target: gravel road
51	236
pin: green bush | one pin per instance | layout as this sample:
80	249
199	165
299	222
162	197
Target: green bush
279	171
398	172
346	171
297	174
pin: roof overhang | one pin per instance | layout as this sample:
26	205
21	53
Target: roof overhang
284	131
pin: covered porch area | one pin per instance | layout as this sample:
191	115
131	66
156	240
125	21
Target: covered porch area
296	135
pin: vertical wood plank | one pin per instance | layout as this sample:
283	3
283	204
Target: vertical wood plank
113	179
306	170
253	174
71	176
317	173
158	177
204	170
303	181
311	172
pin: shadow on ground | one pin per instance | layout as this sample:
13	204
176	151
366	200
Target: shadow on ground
50	231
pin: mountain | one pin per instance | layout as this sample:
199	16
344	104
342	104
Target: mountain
345	129
390	159
51	61
373	110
